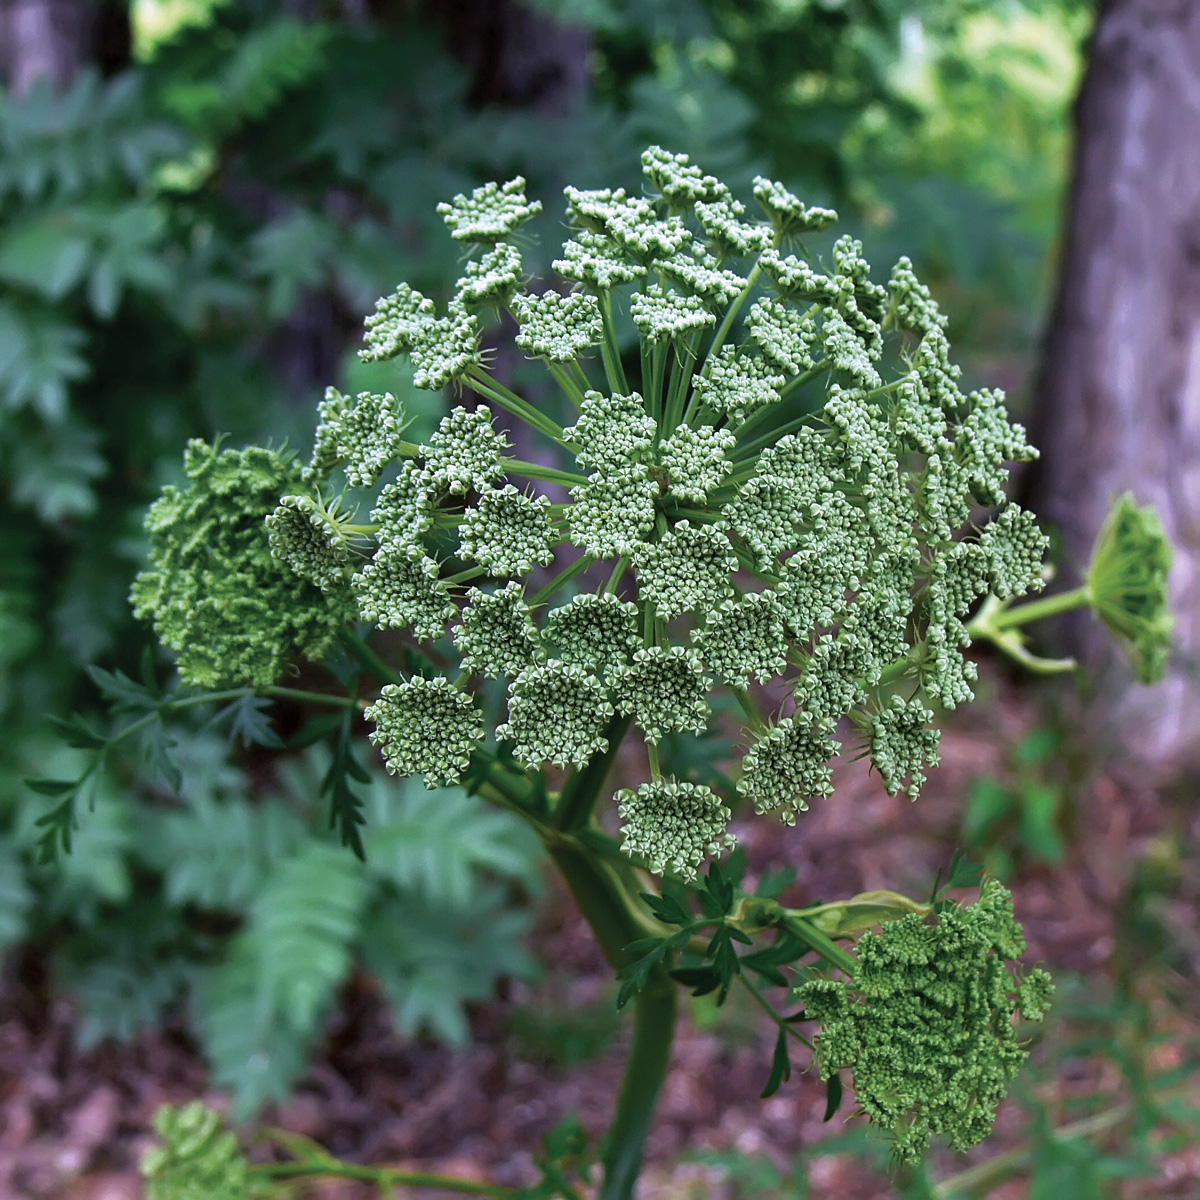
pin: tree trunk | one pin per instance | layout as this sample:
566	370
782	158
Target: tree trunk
53	39
1119	397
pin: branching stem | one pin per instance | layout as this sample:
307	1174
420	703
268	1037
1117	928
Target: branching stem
1040	610
493	390
514	466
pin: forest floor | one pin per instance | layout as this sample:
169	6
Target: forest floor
1116	920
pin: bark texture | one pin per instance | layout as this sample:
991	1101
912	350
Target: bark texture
1119	400
53	39
517	57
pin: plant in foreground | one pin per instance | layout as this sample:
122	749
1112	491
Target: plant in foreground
782	495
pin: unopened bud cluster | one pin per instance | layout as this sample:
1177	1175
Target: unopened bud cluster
780	496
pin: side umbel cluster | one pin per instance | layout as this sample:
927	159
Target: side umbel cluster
926	1023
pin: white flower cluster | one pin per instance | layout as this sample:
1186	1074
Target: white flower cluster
778	501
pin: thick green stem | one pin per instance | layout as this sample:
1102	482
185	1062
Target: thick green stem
655	1011
563	577
368	659
286	693
582	787
564	379
980	1179
731	315
1039	610
606	903
606	894
614	370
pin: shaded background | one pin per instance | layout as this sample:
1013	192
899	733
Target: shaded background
199	200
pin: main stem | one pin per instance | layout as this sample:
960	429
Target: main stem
606	894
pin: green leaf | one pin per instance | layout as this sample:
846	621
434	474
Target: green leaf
303	923
634	975
217	852
781	1066
54	473
701	980
716	897
666	909
250	1049
443	844
267	62
98	866
772	885
155	744
724	958
52	787
122	694
864	911
47	255
78	734
250	721
432	960
1036	747
124	972
1038	822
833	1096
345	804
57	827
989	803
766	962
963	873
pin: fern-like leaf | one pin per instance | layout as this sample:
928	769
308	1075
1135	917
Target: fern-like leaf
303	924
432	961
442	844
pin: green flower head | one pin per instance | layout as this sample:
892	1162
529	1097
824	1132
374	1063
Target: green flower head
507	531
599	633
362	436
925	1024
665	691
490	213
398	323
305	537
737	385
751	465
788	214
673	825
1127	579
491	278
445	349
426	727
401	587
696	461
556	327
465	452
217	595
903	743
497	636
612	431
788	765
198	1158
687	570
613	511
557	712
744	638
